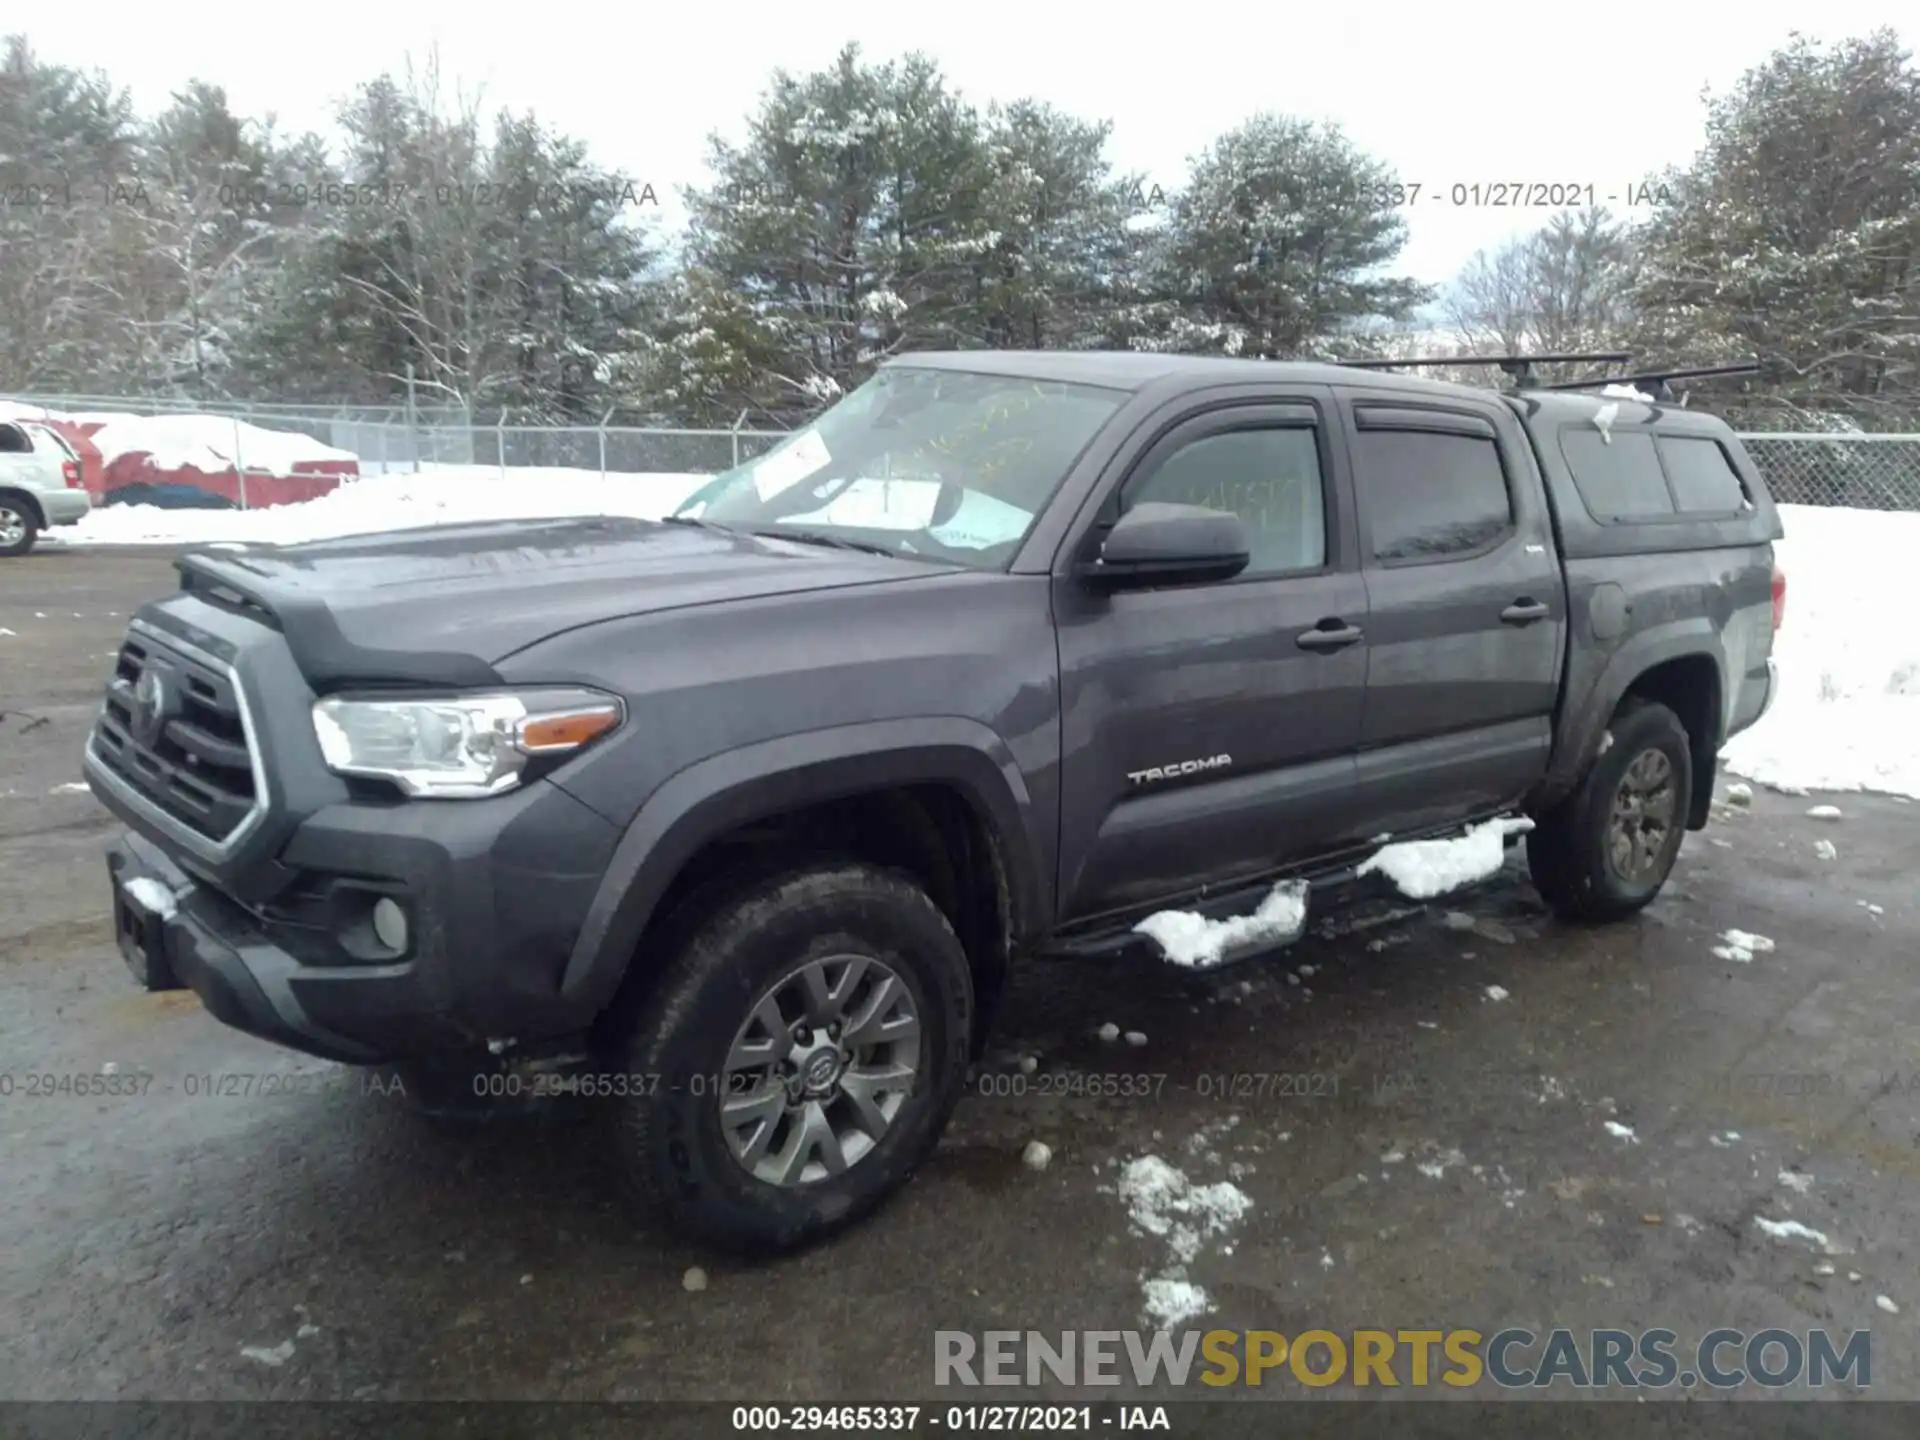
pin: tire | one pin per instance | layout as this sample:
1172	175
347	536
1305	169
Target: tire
19	527
1573	849
742	949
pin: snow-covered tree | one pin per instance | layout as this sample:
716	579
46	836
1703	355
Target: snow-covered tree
67	146
1795	235
509	272
1278	240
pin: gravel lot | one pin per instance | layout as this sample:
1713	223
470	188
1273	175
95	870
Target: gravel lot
1417	1152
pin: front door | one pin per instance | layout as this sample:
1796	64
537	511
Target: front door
1209	730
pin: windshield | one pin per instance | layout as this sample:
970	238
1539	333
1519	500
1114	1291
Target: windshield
933	464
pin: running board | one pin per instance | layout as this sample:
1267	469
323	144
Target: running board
1113	944
1117	939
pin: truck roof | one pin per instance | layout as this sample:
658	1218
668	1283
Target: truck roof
1134	370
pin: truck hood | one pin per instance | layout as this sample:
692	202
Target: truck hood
441	606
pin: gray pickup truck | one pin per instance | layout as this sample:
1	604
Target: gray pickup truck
741	818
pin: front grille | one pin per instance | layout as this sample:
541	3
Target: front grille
180	740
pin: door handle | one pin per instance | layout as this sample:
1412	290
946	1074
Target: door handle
1524	612
1328	635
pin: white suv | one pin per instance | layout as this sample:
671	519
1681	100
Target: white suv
40	484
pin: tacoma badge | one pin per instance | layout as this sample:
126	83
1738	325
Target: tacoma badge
1178	768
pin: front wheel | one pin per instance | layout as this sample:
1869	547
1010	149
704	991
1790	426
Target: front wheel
18	527
809	1041
1606	850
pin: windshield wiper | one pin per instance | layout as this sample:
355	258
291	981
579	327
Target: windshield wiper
697	523
820	537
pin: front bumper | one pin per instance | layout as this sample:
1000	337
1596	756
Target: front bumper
494	891
216	949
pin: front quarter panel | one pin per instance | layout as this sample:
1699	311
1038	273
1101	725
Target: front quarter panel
949	662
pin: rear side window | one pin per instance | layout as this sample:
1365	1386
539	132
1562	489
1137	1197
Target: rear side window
1428	496
1618	475
50	439
1704	480
13	441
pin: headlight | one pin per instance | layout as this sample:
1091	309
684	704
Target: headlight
459	746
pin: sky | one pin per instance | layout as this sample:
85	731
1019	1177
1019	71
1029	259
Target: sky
1450	95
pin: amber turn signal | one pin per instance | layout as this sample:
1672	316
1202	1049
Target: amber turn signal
569	730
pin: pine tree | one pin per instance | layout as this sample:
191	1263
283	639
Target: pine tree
1277	241
1795	235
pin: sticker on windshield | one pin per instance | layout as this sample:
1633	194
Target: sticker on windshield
788	467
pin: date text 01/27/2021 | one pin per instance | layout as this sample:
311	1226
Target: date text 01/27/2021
1013	1419
111	1083
1523	194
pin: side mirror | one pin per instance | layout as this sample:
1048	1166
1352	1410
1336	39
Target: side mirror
1155	544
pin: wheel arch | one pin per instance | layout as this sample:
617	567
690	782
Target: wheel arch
18	495
1680	665
898	776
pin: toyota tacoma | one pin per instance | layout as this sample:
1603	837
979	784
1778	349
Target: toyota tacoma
745	814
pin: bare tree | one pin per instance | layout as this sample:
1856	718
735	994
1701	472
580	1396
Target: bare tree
1562	288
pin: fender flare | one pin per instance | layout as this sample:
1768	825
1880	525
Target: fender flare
718	794
1587	716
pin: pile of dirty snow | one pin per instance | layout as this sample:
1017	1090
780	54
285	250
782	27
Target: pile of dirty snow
1197	943
1164	1203
1422	869
1847	715
438	495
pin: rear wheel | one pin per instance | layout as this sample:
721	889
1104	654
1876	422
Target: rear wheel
19	526
1606	850
804	1047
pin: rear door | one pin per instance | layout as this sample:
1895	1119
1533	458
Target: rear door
1209	730
1466	610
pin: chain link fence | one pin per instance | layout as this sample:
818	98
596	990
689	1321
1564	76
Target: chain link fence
1871	472
1865	472
397	438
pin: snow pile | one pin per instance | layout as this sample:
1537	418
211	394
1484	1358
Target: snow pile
1163	1202
1422	869
438	495
1742	946
210	443
1625	392
1789	1230
1847	715
1198	943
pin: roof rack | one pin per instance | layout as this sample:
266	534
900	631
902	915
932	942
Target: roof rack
1660	382
1517	368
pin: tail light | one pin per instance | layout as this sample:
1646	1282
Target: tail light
1779	598
71	470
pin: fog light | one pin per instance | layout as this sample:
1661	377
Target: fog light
390	925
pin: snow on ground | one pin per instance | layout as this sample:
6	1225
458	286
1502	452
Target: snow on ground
1163	1202
1848	713
438	495
1789	1230
1742	946
1422	869
1198	943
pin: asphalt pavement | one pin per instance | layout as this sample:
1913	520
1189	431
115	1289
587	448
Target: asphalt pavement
1466	1115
